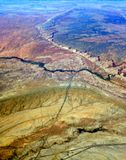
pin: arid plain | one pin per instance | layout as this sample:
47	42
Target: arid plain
57	103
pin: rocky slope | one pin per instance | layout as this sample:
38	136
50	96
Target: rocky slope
59	123
60	115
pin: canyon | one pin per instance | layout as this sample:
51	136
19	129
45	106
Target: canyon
56	102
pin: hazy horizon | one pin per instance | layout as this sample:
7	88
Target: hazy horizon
52	6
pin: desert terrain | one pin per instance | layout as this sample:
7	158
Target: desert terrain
58	103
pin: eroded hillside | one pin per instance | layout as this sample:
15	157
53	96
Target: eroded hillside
60	115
